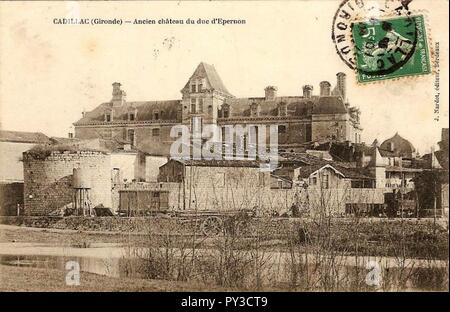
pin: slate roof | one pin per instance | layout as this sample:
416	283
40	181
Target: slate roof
209	72
297	106
23	137
144	112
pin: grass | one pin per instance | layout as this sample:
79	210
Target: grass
13	279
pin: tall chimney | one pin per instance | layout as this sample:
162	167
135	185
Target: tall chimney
341	85
118	95
325	88
307	91
270	93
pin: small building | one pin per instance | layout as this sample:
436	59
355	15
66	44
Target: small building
217	184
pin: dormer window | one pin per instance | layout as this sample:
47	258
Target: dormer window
282	109
255	110
225	111
193	88
108	115
200	86
132	113
156	115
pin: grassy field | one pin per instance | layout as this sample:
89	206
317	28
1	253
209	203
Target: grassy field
31	279
233	262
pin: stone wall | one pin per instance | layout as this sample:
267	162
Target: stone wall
48	180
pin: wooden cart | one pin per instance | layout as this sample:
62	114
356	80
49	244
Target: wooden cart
215	222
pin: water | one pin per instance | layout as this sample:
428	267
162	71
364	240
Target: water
114	260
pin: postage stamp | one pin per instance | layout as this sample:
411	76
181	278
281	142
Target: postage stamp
390	48
350	11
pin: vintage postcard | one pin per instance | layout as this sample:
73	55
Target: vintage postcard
282	146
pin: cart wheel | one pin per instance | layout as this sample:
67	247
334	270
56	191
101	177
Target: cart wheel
211	226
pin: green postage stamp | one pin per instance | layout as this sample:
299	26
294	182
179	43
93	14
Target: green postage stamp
391	48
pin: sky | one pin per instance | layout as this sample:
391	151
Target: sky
50	73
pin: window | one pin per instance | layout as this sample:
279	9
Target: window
193	88
281	129
255	109
197	126
155	132
226	112
200	87
115	176
325	181
308	133
107	117
130	136
156	115
193	106
313	180
131	116
200	105
210	109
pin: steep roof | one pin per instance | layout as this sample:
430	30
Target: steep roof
209	72
298	106
23	137
167	111
401	147
329	105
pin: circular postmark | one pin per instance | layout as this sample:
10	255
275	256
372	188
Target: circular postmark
384	46
350	11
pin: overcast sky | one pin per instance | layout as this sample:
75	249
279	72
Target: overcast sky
50	73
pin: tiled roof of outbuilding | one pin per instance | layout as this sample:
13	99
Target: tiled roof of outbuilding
23	137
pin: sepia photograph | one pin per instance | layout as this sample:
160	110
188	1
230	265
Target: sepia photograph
234	147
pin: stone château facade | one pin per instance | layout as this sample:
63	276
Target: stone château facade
301	119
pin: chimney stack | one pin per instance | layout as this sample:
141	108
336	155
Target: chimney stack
341	85
325	88
118	95
307	91
270	93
